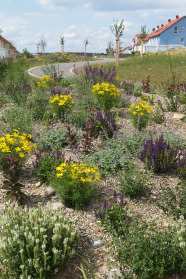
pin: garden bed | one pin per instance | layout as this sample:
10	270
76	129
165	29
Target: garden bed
146	207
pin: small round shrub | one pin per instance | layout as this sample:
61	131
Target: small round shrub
34	242
75	183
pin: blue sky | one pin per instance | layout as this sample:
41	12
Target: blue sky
25	21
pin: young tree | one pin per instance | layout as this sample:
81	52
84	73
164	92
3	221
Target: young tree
62	42
86	43
117	30
109	47
143	35
42	43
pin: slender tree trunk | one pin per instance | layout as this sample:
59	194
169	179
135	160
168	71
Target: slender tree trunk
37	51
62	48
85	50
141	49
117	53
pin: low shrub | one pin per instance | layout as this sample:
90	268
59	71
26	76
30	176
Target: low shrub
17	91
75	183
104	124
140	113
181	166
106	94
158	154
113	217
46	82
46	163
109	159
61	104
34	242
150	251
16	117
53	139
38	106
172	201
132	180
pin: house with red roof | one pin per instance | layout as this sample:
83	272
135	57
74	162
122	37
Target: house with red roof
7	50
164	37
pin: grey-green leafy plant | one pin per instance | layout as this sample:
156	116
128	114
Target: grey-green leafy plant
16	117
34	242
53	139
109	159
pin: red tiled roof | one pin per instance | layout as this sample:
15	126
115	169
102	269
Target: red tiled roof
6	41
162	28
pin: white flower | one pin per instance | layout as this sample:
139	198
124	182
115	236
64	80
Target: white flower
55	251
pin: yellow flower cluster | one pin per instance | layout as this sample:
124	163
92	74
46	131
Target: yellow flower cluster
81	172
141	108
46	81
106	88
64	54
17	144
62	100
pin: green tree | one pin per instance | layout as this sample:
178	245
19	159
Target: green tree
143	35
62	42
86	42
42	43
109	47
117	30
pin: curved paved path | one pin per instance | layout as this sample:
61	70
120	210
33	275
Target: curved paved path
67	67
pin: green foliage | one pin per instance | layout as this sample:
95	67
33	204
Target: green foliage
19	118
114	217
137	91
53	139
132	180
159	116
117	29
75	184
45	165
172	201
34	242
150	251
110	158
39	106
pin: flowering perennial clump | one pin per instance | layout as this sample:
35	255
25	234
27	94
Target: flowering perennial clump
46	82
159	154
61	104
107	94
140	114
76	183
34	242
81	172
17	144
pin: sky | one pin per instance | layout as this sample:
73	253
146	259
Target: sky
24	22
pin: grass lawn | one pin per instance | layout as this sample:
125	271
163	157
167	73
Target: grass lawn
161	68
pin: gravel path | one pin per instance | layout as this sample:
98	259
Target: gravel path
67	67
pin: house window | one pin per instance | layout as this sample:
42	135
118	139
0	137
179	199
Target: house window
176	30
182	40
183	28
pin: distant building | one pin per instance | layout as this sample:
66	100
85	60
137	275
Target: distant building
164	37
7	50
